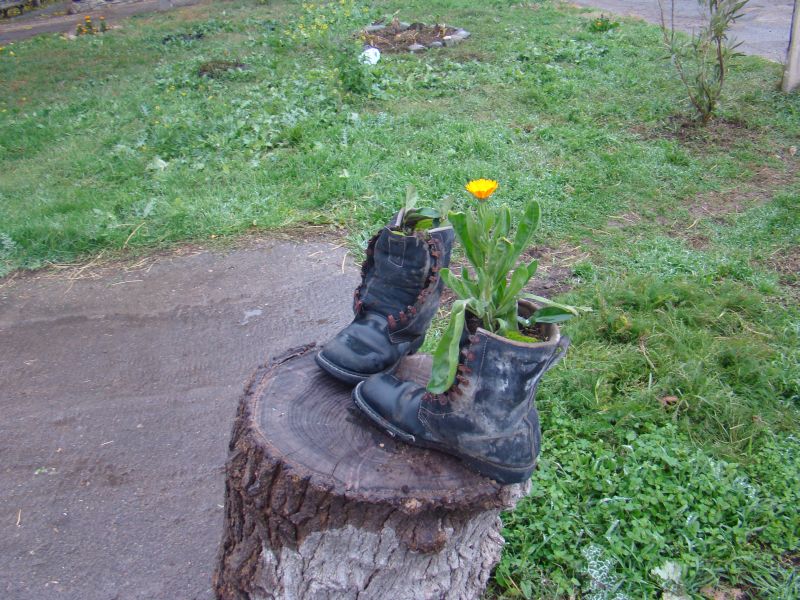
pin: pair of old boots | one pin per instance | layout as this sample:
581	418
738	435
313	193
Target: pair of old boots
488	418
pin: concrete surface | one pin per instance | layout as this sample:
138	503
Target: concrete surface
52	18
117	397
763	29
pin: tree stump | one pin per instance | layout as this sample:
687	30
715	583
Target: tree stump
321	504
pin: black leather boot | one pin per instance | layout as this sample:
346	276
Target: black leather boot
488	417
394	305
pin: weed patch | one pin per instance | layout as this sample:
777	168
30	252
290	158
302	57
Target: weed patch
633	482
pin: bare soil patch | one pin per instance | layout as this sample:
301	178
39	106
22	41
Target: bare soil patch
759	190
717	206
219	68
723	592
397	36
721	133
554	275
786	261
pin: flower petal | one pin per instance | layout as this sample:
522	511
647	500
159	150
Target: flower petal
482	188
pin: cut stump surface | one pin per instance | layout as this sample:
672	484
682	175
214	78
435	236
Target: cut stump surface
321	504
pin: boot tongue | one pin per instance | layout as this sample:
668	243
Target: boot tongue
401	268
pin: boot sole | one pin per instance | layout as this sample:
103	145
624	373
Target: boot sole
503	474
338	372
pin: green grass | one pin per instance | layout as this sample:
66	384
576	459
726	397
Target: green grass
115	143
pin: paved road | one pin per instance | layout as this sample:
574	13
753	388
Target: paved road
53	18
117	398
763	30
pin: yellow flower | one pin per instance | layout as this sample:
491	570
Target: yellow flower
482	188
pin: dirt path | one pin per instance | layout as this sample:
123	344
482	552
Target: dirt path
53	18
763	30
119	388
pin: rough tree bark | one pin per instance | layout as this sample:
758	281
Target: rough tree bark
320	504
791	74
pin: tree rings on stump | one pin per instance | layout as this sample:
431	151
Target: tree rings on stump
319	503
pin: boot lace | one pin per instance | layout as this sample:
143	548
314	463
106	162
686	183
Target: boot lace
404	316
358	304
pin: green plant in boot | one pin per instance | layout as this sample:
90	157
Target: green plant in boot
489	293
414	218
479	404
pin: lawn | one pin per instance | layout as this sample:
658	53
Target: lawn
671	457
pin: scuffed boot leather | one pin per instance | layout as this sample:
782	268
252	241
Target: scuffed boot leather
488	417
394	305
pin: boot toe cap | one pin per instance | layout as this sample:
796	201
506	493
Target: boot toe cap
347	353
392	403
361	349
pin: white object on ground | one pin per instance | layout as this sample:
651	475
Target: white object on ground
370	56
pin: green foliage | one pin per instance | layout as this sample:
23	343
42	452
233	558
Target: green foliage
445	356
642	500
354	77
703	61
283	141
317	20
602	24
629	482
87	27
492	291
416	218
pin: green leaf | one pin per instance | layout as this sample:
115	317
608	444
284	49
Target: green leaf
533	266
461	227
444	209
518	280
445	357
574	310
455	284
504	222
551	314
430	213
504	326
423	225
411	198
525	230
470	283
504	260
522	275
527	227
